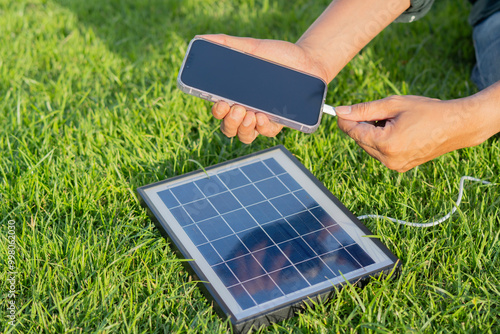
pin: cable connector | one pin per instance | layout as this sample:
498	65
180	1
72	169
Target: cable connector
329	110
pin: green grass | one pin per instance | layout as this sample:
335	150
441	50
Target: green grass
89	111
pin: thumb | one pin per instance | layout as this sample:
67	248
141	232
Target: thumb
366	111
244	44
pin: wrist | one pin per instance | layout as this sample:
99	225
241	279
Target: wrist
316	61
477	117
484	107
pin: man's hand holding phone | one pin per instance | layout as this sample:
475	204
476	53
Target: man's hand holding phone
247	125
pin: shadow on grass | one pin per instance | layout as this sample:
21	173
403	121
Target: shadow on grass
139	31
135	28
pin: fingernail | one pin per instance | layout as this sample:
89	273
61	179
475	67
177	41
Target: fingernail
238	113
343	110
247	121
261	120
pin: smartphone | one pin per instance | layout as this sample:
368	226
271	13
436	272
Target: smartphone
287	96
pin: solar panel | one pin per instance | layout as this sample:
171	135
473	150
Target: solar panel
265	235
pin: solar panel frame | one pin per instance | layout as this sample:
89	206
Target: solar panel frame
242	319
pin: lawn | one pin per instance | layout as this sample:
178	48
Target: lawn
90	111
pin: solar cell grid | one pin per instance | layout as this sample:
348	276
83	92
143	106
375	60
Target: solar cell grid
263	225
264	236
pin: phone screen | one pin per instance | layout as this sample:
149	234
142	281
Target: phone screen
254	82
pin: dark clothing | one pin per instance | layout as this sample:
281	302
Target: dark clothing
482	9
418	8
486	35
485	20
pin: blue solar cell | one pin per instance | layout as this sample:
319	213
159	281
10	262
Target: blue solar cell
187	193
287	205
167	198
341	235
262	289
241	296
245	268
229	247
323	217
340	262
224	202
280	231
225	274
255	238
263	212
233	178
297	250
304	222
209	254
256	171
195	234
210	186
360	255
271	259
248	195
239	220
181	215
306	199
289	182
322	241
271	187
200	210
214	228
289	280
274	166
315	271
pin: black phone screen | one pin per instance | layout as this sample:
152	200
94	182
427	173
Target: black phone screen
254	82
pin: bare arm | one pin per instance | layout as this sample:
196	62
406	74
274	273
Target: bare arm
345	27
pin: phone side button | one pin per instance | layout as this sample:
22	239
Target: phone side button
206	96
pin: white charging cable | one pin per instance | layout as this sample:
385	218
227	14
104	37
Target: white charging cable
440	220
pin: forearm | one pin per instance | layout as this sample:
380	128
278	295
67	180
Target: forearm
345	27
464	122
481	112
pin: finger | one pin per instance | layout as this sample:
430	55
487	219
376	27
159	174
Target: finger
364	134
374	140
232	121
372	152
266	127
220	109
246	131
244	44
371	111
